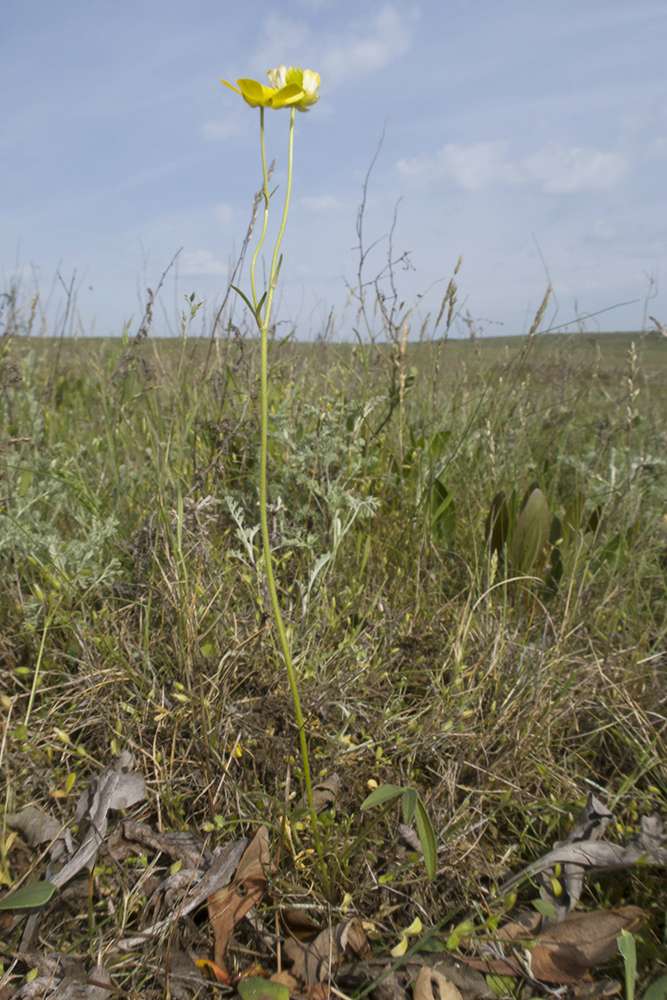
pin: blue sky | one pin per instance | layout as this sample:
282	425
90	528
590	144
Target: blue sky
529	136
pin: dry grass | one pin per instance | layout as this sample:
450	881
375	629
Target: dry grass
134	616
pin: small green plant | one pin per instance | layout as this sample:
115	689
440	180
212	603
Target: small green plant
411	806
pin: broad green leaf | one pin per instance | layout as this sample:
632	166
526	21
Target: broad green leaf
427	837
29	896
24	484
657	990
531	532
258	988
408	804
382	794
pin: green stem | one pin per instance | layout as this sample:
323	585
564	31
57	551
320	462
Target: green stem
282	634
266	218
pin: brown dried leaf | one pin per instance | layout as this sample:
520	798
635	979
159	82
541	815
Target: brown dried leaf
229	904
567	951
314	962
324	794
432	985
526	924
470	983
597	990
299	924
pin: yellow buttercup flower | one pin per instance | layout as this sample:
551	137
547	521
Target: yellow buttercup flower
291	87
257	95
303	78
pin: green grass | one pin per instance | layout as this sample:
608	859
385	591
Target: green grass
133	611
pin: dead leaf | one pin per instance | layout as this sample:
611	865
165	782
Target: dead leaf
313	962
229	904
221	872
526	924
299	923
132	838
116	787
432	985
179	976
287	979
567	951
96	987
38	827
324	794
582	852
392	979
598	990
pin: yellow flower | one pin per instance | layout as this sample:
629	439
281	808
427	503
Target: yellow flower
291	87
257	95
303	78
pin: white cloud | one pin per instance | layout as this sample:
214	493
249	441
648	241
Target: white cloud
225	129
224	213
471	167
554	170
658	147
323	203
564	171
365	47
202	262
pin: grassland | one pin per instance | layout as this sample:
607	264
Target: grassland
503	684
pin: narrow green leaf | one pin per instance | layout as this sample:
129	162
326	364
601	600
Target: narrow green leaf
427	837
572	519
626	946
249	303
29	896
382	794
443	512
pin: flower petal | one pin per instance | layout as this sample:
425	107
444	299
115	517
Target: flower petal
287	96
256	94
231	86
277	77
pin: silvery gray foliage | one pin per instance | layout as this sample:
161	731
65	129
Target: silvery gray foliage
53	531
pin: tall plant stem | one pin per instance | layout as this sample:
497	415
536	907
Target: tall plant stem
263	323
